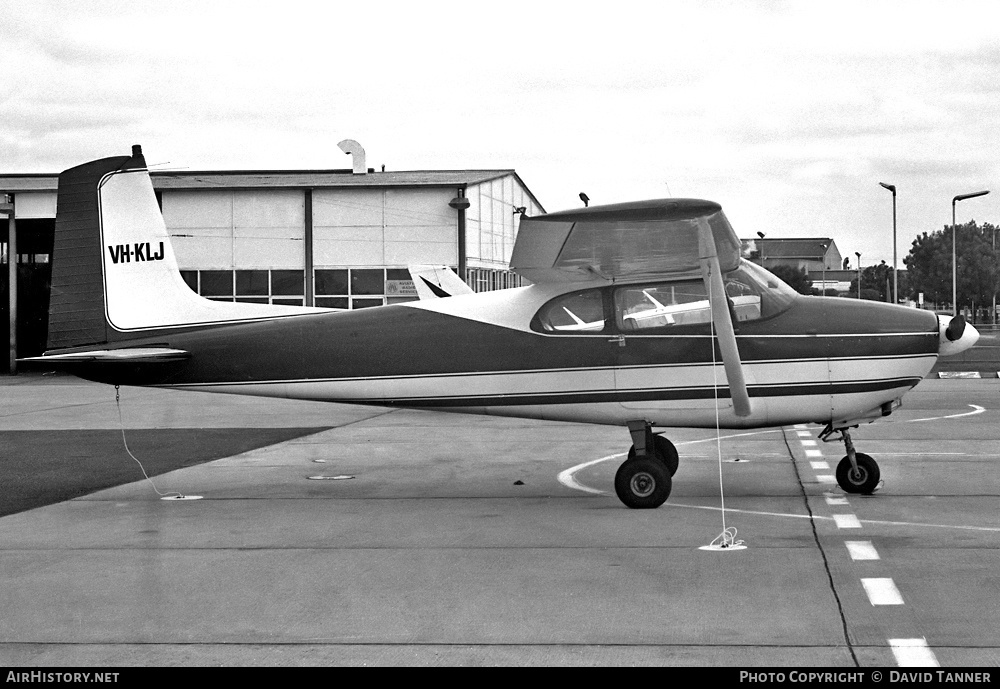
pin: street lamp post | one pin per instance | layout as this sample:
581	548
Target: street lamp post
954	244
858	254
825	247
761	235
895	283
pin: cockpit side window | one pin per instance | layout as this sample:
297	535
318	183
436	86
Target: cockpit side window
572	314
752	294
645	306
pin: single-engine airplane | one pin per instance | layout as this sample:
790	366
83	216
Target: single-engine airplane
640	314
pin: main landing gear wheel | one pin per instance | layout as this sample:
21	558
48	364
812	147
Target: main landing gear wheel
665	451
864	480
643	482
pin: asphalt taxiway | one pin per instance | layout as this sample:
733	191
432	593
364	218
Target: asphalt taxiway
335	535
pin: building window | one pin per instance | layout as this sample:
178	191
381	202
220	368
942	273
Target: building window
191	278
357	288
332	282
251	283
288	282
365	303
487	279
248	286
367	281
216	283
335	288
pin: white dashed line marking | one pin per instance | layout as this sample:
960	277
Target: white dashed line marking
826	478
814	453
861	550
846	521
882	591
913	653
808	443
832	499
803	434
819	464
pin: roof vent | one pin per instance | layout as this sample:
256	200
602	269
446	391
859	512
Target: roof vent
353	148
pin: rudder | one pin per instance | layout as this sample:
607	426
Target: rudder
76	305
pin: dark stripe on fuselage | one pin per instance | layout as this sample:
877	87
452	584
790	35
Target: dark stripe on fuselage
644	395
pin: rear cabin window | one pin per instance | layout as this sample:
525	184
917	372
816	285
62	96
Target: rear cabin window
574	313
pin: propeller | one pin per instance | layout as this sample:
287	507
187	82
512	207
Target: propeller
956	328
955	335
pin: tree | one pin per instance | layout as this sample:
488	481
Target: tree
796	278
876	283
930	268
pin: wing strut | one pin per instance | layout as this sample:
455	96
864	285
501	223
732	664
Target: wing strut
711	273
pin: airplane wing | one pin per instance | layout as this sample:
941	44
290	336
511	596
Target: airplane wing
626	241
434	282
629	242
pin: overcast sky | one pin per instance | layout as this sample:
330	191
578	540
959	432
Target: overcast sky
786	113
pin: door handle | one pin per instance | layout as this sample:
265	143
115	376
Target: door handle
620	339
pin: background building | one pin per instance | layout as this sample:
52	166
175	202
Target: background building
333	238
814	254
819	257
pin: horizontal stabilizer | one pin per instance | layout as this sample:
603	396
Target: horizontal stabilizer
134	355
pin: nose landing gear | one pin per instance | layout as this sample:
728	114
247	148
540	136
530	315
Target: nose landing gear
857	472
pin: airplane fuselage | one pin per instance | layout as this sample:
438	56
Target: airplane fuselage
818	359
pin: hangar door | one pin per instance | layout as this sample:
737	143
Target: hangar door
34	272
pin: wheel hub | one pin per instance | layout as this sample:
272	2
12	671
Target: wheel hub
643	484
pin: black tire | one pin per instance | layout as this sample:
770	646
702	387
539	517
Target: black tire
643	483
665	450
867	477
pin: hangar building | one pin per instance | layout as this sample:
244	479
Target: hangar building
333	238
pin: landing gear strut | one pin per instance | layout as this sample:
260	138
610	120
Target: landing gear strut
643	480
856	472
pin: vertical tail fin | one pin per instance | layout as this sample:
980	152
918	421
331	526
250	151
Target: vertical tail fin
114	273
434	282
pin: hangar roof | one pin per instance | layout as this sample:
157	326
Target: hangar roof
322	178
277	179
814	248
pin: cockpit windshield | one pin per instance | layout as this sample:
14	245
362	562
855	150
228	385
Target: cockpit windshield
750	280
